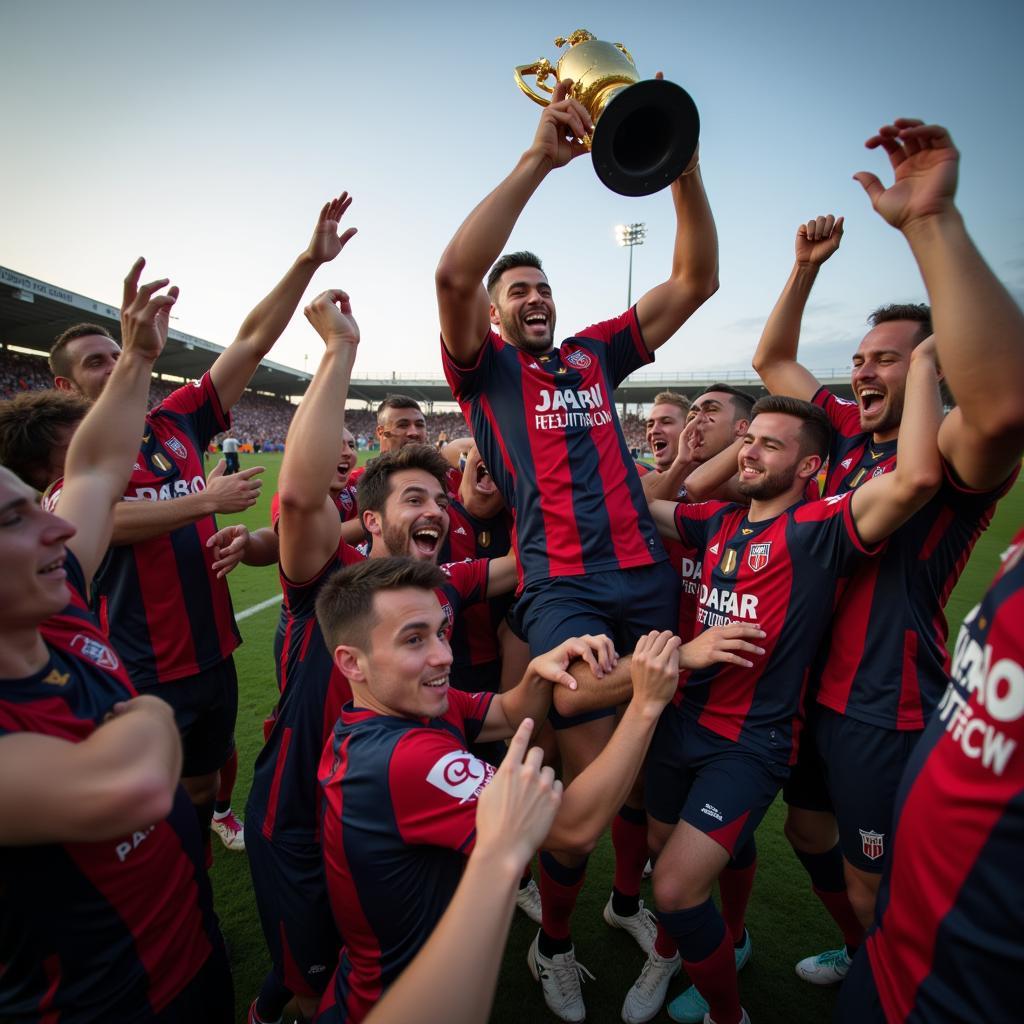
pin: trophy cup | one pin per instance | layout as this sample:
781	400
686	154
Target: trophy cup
645	132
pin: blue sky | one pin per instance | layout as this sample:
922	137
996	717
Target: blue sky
206	136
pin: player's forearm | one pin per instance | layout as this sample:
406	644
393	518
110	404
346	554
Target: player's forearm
666	486
136	521
530	699
918	462
268	319
776	353
483	234
107	441
695	253
591	693
593	797
708	479
314	437
472	933
262	547
979	328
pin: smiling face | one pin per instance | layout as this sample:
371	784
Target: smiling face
346	461
718	421
771	461
91	360
664	426
33	585
399	427
403	668
414	520
523	309
879	376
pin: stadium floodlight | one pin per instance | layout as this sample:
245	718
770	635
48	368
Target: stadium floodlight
630	236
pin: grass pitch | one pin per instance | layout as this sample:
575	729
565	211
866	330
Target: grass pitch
785	920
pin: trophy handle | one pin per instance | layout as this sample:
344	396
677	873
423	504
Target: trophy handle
619	46
542	69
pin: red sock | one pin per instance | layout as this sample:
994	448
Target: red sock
734	885
629	840
715	978
228	774
841	911
559	888
664	945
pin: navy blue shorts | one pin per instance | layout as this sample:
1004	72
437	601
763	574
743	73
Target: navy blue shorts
624	604
291	896
863	767
858	998
806	786
205	708
711	783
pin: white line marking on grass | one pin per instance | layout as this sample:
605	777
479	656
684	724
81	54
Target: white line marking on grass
269	603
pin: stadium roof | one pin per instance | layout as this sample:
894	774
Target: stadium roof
33	313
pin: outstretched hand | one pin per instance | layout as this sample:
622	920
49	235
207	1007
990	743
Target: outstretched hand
597	651
145	315
234	493
330	313
326	243
228	545
818	239
563	127
515	811
926	164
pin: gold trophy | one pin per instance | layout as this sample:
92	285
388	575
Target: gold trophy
645	132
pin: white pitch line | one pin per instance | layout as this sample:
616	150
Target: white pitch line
269	603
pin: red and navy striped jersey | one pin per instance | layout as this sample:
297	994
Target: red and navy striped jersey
474	636
547	429
399	822
781	574
949	937
165	610
345	499
106	930
886	661
285	800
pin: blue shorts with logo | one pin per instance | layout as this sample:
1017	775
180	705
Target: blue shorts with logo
708	781
624	604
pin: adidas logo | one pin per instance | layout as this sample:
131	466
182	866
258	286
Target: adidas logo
460	531
713	549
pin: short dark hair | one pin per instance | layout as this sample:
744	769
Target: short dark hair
507	262
672	398
344	606
397	402
916	312
742	403
375	483
29	425
60	364
815	431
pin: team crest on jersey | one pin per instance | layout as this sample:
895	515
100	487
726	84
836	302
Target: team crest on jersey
56	678
872	844
578	360
176	447
728	563
346	500
757	556
91	648
460	774
161	463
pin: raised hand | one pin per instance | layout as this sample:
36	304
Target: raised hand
597	651
563	127
516	808
330	313
817	240
925	163
233	493
326	243
655	667
145	315
722	643
691	440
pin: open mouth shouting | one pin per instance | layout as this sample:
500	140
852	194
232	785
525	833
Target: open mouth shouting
484	482
425	539
871	400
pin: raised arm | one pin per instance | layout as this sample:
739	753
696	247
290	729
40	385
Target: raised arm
461	297
694	277
235	366
100	457
309	528
979	328
775	359
120	779
886	502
